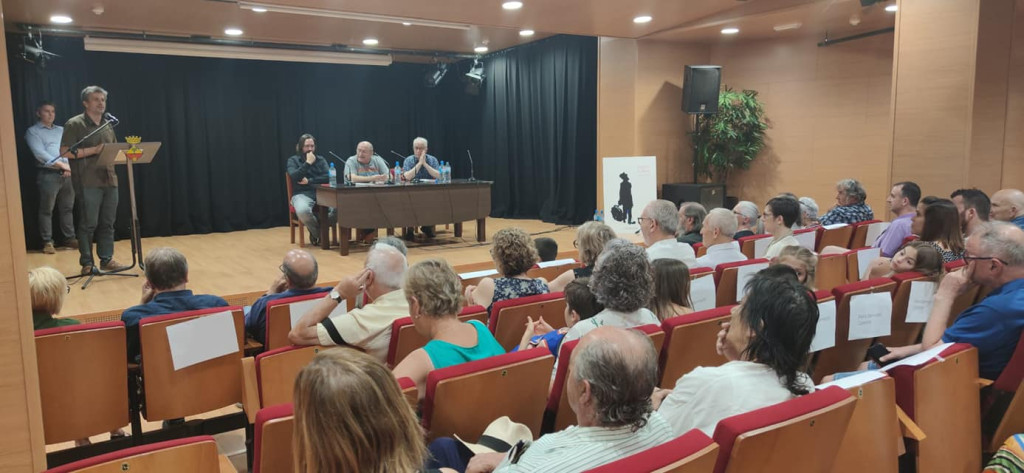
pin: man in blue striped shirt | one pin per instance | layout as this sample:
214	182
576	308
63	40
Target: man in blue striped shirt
53	179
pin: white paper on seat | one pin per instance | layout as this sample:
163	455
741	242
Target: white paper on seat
703	293
922	296
298	309
478	274
920	358
201	339
874	230
743	274
870	315
854	380
864	259
834	226
806	239
761	247
825	333
557	262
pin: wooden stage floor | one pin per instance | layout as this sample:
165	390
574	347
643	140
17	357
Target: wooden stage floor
239	262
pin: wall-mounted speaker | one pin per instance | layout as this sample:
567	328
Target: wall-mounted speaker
700	89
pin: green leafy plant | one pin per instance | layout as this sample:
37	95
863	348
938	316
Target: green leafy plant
730	139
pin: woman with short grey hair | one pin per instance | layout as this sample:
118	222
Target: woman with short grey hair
850	206
809	212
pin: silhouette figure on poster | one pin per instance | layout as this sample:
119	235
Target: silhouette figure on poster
623	212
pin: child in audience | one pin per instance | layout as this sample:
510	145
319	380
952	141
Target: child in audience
671	289
350	415
803	261
917	256
580	304
547	248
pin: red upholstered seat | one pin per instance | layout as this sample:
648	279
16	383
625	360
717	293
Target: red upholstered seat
558	415
155	457
847	354
279	322
726	279
1005	402
691	452
840	237
700	271
954	265
815	422
747	244
690	342
903	333
272	444
277	369
909	238
404	338
860	233
508	317
831	271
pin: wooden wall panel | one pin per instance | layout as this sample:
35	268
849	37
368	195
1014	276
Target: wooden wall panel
1013	155
616	83
988	127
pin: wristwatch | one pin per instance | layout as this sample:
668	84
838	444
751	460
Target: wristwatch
336	296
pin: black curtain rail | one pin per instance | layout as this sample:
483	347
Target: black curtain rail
829	42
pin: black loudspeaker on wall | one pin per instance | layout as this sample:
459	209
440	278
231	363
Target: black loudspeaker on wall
700	89
711	196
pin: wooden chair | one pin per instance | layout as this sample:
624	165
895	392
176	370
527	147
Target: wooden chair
872	438
690	342
903	333
410	392
840	237
693	452
655	333
941	396
192	454
293	219
727	278
800	435
405	339
853	264
272	444
508	317
803	231
196	389
1003	404
465	398
279	320
747	244
83	380
860	233
831	272
847	354
551	272
700	271
269	378
700	249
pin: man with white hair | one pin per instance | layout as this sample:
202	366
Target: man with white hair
1008	206
717	233
420	165
747	215
658	224
369	327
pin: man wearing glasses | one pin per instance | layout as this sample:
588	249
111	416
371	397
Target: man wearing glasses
299	272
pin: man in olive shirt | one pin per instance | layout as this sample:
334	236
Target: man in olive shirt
95	185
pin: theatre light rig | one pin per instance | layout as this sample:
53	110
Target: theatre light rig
434	76
476	73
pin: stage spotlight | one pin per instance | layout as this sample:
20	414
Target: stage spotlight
434	77
476	73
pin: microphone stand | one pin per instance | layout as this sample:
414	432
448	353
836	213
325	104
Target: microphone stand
471	178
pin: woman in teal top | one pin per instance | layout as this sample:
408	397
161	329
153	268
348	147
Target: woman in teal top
434	293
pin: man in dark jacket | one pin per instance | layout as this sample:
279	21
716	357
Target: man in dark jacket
307	170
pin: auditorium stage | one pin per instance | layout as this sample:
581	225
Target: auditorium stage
232	263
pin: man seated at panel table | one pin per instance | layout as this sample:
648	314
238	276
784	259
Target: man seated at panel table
368	327
366	167
307	170
420	166
717	233
658	224
163	293
299	272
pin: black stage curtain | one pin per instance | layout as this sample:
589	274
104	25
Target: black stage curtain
228	126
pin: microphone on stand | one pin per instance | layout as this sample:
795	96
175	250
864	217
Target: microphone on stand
396	154
471	178
342	161
112	119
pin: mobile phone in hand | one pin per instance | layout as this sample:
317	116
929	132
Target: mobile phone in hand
876	352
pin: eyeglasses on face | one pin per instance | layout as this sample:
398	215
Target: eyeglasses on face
968	258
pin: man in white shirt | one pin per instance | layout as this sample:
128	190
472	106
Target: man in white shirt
368	327
658	224
780	214
717	231
611	375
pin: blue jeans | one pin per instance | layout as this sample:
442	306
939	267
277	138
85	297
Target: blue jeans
872	366
304	210
98	207
55	190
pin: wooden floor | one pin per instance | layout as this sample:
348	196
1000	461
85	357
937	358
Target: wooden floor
232	263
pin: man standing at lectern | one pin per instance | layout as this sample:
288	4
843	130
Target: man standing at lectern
95	185
420	166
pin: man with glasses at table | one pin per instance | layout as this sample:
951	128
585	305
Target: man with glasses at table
299	272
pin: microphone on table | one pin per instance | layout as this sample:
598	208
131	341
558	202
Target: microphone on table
396	154
342	161
112	119
471	178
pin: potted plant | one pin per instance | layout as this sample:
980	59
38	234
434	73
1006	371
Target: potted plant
729	139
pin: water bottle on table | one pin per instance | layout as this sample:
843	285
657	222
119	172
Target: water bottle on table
332	176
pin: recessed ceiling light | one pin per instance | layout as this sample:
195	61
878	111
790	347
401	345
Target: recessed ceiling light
406	23
512	5
233	32
259	10
61	19
370	41
730	30
642	19
480	49
788	26
526	33
892	8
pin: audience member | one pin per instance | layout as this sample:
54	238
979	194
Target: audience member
611	375
350	415
803	261
368	327
396	242
590	240
48	289
766	342
691	217
938	222
580	304
902	200
1008	206
299	272
547	248
622	283
918	256
513	254
974	208
779	216
163	293
671	289
748	219
432	290
850	206
799	223
658	225
308	170
809	212
717	235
